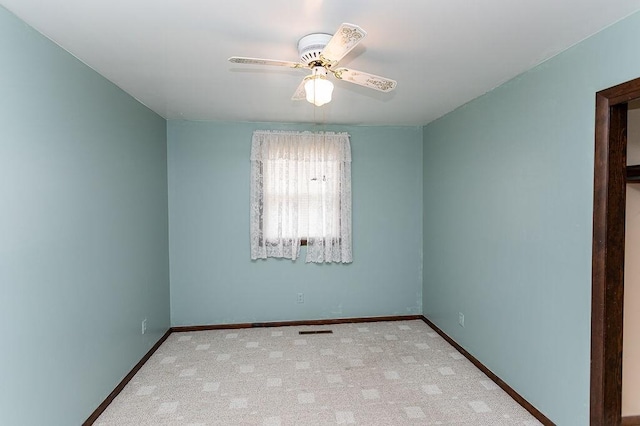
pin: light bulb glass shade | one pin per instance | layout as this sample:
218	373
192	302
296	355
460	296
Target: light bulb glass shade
318	90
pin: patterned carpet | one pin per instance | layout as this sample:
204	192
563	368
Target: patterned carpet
382	373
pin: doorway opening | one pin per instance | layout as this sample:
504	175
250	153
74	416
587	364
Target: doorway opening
607	297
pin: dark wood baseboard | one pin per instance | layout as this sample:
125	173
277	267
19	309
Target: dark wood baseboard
633	175
508	389
180	329
631	421
94	416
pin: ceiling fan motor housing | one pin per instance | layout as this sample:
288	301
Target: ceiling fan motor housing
310	47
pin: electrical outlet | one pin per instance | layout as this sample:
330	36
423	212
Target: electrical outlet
300	298
461	319
144	326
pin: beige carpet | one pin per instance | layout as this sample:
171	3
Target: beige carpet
383	373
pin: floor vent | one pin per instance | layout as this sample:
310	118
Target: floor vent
316	332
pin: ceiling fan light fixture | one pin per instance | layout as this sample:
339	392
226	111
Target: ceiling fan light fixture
317	88
321	53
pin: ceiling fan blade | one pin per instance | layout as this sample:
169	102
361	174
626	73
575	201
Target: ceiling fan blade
300	94
256	61
364	79
342	42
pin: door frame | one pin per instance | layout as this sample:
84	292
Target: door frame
609	197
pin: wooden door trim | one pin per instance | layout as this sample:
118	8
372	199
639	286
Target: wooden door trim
609	195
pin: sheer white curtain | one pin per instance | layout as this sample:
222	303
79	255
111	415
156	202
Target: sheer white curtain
301	190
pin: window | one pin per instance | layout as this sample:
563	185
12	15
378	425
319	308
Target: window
301	192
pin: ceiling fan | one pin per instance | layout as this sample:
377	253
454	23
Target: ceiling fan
321	53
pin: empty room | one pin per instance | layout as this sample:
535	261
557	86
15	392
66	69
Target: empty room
318	212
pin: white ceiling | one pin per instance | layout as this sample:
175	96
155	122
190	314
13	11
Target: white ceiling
172	54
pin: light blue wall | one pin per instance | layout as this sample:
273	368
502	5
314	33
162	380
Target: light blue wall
83	232
213	279
508	182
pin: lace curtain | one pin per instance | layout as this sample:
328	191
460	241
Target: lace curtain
301	190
